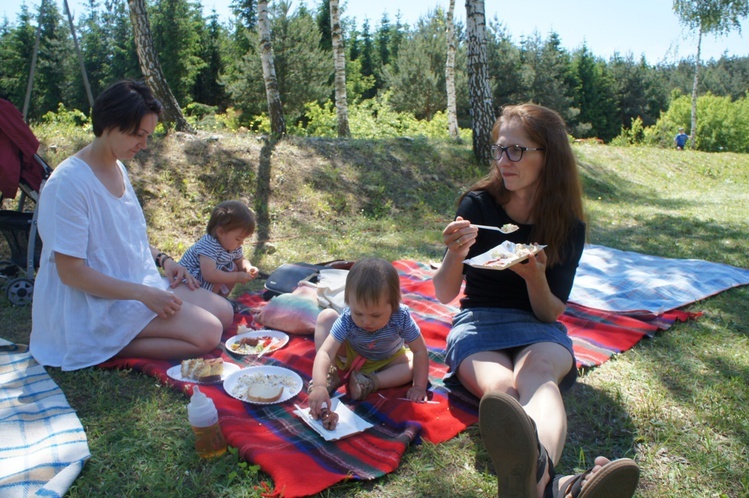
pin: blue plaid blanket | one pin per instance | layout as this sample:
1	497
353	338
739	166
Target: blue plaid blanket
43	446
629	282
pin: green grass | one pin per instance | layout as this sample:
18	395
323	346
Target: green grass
676	403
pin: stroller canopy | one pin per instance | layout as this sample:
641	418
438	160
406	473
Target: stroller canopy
18	145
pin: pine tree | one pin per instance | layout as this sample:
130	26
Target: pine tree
176	38
16	48
151	67
207	89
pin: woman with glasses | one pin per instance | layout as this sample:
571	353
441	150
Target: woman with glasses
506	345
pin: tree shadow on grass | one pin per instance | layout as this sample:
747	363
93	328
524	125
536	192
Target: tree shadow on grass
674	236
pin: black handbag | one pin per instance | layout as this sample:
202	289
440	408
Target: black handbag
287	277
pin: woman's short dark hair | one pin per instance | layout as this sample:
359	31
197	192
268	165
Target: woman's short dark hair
123	106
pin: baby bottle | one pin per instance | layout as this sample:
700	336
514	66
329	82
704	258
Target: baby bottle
203	417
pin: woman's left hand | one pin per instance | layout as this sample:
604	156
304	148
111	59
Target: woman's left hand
531	268
176	273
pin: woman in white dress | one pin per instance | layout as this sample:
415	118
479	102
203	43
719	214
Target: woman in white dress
98	293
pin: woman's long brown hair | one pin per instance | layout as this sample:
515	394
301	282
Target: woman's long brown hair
558	204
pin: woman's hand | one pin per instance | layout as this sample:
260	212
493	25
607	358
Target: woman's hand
176	273
164	303
532	268
459	236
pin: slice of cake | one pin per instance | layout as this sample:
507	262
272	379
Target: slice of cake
201	370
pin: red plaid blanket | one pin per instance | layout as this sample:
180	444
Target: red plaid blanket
301	463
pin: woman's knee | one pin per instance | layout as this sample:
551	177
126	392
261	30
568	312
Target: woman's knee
210	332
546	363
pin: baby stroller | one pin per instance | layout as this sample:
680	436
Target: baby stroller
20	167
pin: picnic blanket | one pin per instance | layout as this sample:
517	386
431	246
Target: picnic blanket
301	463
630	282
43	446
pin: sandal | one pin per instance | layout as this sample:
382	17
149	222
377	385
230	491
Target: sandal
509	436
364	384
616	479
332	380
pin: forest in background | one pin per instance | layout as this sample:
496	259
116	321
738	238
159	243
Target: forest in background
213	67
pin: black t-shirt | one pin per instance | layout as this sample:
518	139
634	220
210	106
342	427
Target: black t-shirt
503	288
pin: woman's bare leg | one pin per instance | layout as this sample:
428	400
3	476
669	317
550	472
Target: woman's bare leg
193	331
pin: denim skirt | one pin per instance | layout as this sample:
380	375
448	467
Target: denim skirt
495	329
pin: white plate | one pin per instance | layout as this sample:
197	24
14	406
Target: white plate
279	340
508	250
233	383
176	373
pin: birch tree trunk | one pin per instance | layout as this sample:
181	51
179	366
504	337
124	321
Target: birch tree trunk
86	84
151	69
275	108
452	113
693	131
482	110
32	69
341	101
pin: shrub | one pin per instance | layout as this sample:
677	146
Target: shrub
722	125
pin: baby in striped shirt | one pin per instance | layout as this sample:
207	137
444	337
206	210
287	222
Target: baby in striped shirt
217	259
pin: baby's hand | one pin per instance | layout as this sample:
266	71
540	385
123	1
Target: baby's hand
417	394
254	272
318	400
243	277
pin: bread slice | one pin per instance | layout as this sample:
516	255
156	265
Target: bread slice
264	393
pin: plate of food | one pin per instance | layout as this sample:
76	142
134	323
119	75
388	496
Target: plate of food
503	256
202	371
263	385
257	342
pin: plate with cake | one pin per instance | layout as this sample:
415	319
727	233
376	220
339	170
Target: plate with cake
257	342
202	371
263	385
504	256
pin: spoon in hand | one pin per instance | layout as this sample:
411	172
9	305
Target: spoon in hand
506	228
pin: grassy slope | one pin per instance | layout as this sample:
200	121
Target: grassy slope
676	403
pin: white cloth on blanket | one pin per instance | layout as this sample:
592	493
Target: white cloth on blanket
629	282
43	445
330	288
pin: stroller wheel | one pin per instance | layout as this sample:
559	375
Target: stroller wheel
20	291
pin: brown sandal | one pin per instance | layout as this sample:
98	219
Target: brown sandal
616	479
332	380
365	384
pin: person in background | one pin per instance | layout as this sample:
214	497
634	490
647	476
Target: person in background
506	345
217	260
366	342
680	140
99	293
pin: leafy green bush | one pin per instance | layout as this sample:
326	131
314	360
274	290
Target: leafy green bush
372	118
65	117
722	124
